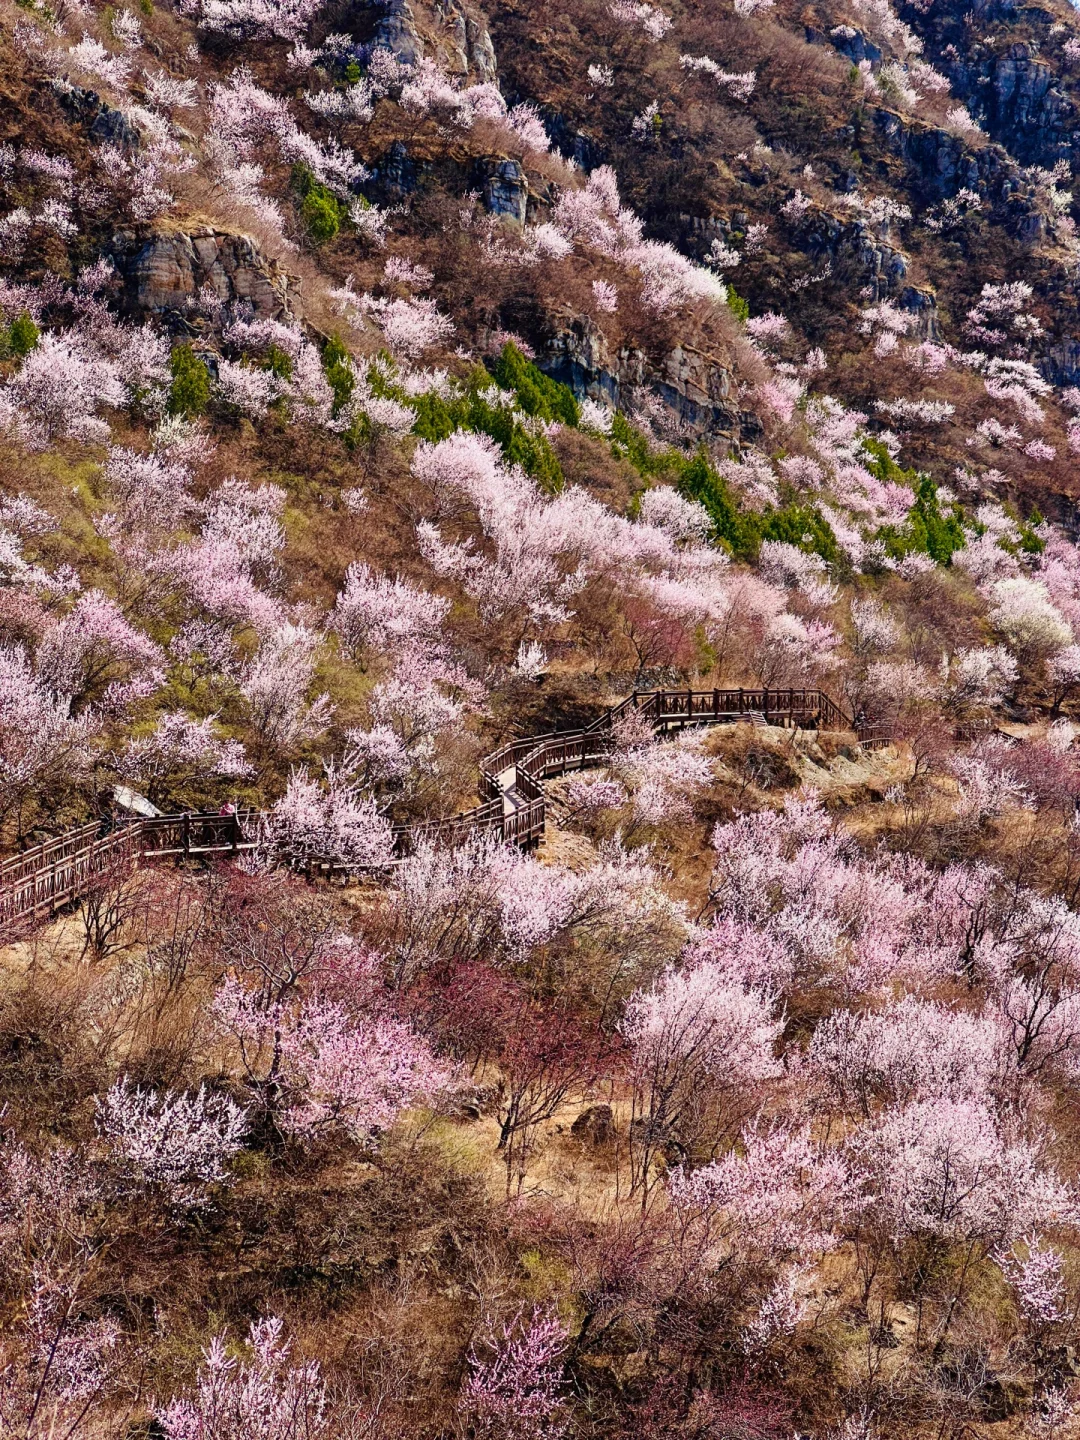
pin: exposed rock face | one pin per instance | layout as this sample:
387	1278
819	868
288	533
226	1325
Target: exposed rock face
1022	102
594	1126
842	241
579	356
466	42
481	48
394	177
923	305
396	31
456	37
1010	88
501	182
505	188
101	122
1019	102
455	41
850	42
696	388
163	271
939	164
571	142
1060	362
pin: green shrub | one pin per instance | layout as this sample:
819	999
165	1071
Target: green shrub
804	526
320	216
1030	543
742	531
475	408
739	307
537	394
320	210
699	481
21	337
24	334
278	363
936	534
628	443
880	463
437	418
519	446
927	530
339	372
189	393
382	379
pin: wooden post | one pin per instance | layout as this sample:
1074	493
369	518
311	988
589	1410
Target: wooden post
765	703
185	834
716	704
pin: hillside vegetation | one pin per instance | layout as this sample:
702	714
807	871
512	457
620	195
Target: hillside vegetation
383	382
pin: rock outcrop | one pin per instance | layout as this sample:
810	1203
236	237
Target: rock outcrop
466	42
1018	100
568	140
396	30
849	41
1023	108
101	121
163	271
1060	362
504	188
940	164
923	305
852	242
453	35
697	389
841	241
999	58
393	177
594	1126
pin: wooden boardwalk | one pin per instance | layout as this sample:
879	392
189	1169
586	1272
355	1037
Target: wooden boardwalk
41	881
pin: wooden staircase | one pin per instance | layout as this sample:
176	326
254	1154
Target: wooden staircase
43	880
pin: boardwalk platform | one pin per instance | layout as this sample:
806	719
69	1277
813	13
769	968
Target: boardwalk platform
41	881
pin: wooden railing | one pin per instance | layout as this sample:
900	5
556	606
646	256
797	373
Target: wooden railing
973	729
44	879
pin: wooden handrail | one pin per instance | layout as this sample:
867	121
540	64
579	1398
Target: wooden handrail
58	871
